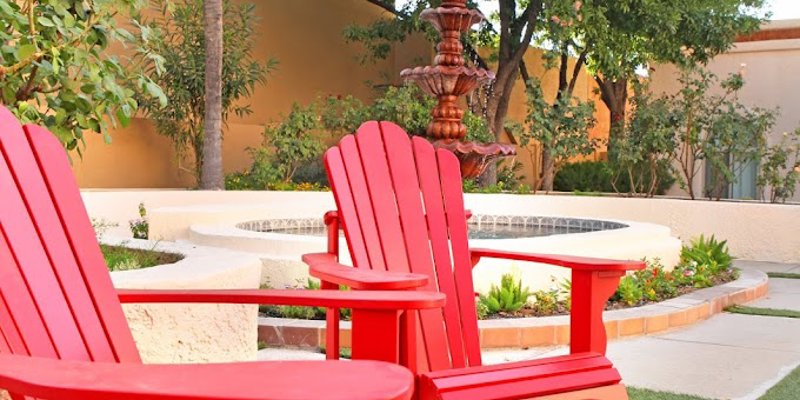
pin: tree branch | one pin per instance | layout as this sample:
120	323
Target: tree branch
576	71
387	7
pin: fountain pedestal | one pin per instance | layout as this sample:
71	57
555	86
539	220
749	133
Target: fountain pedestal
449	79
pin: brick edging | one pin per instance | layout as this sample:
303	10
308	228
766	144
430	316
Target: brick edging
548	331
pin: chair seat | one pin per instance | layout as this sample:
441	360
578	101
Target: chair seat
276	380
521	380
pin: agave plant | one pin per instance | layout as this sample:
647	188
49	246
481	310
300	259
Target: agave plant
709	253
509	297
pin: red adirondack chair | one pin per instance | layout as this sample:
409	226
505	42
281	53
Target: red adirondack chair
400	203
63	334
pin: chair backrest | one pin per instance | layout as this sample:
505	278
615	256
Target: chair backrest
56	296
401	205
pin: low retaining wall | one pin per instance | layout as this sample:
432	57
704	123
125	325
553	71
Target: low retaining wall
549	331
756	231
192	333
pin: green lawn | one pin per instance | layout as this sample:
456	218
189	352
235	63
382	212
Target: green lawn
643	394
788	388
783	275
766	312
119	258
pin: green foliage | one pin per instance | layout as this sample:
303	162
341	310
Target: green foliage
584	176
405	105
120	258
716	128
562	128
140	227
287	147
56	69
509	297
629	291
177	34
710	253
779	172
302	312
641	159
292	141
547	301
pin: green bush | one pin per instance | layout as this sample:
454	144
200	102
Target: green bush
509	297
586	176
598	176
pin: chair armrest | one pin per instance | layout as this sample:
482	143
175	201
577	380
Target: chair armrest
362	300
573	262
79	380
325	267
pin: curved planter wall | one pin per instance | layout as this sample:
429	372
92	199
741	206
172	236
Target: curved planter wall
551	331
190	333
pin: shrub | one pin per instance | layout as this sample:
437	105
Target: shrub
629	291
509	297
599	176
585	176
709	252
779	172
140	228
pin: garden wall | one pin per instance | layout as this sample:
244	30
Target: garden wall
757	231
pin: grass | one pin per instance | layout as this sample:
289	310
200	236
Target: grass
787	388
783	275
766	312
120	258
644	394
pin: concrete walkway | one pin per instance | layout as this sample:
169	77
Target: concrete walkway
729	356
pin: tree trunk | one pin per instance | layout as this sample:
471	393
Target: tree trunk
615	96
548	172
211	175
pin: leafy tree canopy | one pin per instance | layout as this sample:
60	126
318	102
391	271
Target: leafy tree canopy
56	68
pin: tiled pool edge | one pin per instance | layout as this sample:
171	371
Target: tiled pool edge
549	331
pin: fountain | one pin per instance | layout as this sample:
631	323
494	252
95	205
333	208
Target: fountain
449	79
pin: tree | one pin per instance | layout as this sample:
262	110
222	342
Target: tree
620	37
509	36
178	34
56	70
211	176
561	127
715	128
612	38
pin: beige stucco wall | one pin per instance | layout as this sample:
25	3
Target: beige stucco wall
192	333
770	81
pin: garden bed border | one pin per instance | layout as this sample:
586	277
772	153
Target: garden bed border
550	331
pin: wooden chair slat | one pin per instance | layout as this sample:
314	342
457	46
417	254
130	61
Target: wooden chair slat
450	177
366	226
21	319
65	196
384	204
31	257
427	171
335	168
415	234
51	231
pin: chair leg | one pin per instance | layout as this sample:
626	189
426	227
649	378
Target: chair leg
331	327
614	392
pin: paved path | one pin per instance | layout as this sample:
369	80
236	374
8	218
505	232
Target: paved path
729	356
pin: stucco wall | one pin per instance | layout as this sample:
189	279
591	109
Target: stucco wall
192	333
769	81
